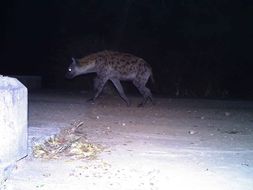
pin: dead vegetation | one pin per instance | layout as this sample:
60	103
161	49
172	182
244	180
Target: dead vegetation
69	143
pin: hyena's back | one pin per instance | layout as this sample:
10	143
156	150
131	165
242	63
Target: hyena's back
124	66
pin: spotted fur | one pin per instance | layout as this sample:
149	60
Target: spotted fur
114	66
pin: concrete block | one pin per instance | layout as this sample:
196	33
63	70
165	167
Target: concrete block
31	82
13	123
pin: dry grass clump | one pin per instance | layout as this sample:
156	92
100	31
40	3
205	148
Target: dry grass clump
69	143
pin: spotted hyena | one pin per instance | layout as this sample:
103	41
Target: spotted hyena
114	66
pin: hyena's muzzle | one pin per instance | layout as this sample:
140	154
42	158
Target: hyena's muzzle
71	73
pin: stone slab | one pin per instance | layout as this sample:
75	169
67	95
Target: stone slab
13	123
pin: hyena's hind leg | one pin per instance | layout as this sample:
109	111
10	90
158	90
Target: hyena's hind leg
118	86
145	92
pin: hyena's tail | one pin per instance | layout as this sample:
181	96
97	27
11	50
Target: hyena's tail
152	78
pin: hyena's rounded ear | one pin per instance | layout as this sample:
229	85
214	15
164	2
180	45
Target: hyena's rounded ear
73	60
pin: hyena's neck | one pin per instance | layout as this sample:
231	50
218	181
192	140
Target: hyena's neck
89	68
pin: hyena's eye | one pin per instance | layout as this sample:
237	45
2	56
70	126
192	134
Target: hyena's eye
70	69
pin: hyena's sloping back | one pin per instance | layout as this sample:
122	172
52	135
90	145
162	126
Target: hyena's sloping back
100	56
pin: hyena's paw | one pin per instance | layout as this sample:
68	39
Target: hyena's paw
92	100
127	103
153	102
145	102
142	103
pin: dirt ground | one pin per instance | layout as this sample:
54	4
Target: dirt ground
174	144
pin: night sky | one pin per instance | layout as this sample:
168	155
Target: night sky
201	47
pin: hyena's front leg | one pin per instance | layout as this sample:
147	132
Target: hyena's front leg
99	84
118	86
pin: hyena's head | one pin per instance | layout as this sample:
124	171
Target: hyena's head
82	66
73	69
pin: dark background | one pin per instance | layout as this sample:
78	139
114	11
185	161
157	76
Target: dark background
197	48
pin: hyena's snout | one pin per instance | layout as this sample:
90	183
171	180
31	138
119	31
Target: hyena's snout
72	70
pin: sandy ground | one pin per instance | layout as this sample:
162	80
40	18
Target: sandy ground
175	144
